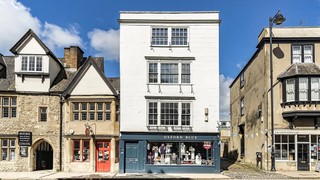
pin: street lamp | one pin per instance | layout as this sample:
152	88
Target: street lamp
278	19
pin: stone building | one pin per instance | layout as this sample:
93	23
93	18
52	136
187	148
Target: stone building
36	91
296	72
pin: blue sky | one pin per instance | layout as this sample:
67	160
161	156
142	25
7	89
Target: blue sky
93	26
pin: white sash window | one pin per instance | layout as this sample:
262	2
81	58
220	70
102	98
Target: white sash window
303	89
290	90
315	89
308	54
296	54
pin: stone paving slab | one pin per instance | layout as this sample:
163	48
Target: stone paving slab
301	174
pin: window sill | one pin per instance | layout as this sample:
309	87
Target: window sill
169	46
304	103
174	84
36	73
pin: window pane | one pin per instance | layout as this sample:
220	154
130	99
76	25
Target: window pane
296	49
277	152
100	116
159	36
31	63
185	74
12	143
292	151
185	114
86	151
303	89
108	107
76	155
4	155
284	152
13	101
83	116
24	63
13	112
76	106
153	113
92	107
308	49
75	116
166	153
315	89
308	59
39	63
100	107
179	36
43	114
277	139
5	101
4	143
92	116
5	112
290	90
12	154
84	106
76	144
153	72
108	116
169	73
169	114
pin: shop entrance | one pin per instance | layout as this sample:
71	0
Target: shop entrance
44	156
132	159
303	157
103	156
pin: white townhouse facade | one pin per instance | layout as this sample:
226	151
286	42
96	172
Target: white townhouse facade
169	70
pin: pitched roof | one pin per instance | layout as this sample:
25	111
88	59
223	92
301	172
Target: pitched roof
115	81
300	69
1	60
8	83
28	34
89	61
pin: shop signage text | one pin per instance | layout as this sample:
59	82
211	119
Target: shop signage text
24	138
180	137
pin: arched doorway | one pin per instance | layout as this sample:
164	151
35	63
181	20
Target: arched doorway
44	156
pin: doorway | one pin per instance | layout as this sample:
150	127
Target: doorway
303	157
103	156
132	159
44	156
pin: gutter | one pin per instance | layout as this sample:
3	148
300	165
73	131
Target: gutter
60	140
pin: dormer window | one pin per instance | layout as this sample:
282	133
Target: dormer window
31	63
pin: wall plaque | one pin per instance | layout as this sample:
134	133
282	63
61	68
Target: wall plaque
24	138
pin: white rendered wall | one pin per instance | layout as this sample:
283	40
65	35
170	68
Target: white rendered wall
32	47
135	45
91	84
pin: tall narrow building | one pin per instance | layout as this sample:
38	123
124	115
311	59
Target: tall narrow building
169	70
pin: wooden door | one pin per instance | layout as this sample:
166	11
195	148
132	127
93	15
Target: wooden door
103	156
132	159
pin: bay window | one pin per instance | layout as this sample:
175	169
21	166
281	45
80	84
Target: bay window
302	53
301	89
290	90
167	113
31	63
174	72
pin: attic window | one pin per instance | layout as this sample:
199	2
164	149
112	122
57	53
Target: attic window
31	63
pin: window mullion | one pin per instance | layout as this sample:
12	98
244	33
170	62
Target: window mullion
159	113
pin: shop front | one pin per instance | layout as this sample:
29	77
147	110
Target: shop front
169	153
297	149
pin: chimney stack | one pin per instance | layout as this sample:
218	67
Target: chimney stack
73	55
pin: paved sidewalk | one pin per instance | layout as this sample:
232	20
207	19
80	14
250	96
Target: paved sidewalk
301	174
50	175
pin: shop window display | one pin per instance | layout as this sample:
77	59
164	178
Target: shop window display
175	153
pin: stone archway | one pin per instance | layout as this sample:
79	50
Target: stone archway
43	155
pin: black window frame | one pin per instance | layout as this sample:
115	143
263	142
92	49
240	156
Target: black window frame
302	51
241	80
297	99
242	107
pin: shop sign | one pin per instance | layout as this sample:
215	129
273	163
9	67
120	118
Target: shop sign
207	145
180	137
24	138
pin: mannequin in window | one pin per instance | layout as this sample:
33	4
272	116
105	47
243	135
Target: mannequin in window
162	149
150	158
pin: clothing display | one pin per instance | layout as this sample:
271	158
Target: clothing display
162	149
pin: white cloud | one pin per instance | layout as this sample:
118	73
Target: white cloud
239	66
56	37
106	43
16	19
224	95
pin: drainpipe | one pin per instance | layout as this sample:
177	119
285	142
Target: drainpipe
60	143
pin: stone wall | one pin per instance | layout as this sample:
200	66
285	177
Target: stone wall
28	120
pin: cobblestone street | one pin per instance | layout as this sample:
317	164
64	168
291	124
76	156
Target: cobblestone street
244	171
